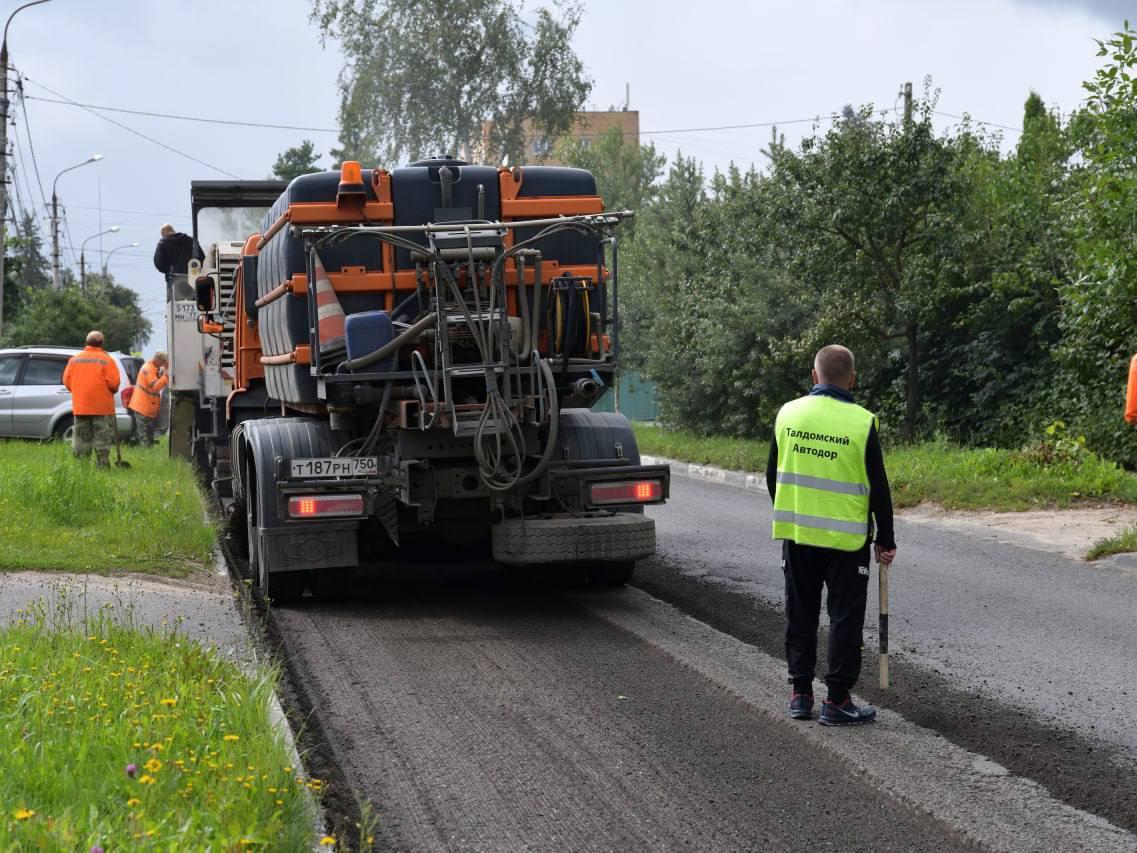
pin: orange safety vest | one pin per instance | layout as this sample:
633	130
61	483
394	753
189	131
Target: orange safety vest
92	378
147	396
1131	393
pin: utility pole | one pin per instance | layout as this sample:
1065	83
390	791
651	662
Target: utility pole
56	278
56	274
907	104
3	167
4	153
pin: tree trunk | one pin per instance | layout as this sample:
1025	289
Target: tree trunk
912	384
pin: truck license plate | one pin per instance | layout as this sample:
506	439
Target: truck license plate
334	466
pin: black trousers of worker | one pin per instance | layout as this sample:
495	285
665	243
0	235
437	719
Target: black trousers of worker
845	574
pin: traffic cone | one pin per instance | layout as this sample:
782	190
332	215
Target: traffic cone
329	312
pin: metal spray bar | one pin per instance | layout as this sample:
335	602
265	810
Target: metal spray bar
607	219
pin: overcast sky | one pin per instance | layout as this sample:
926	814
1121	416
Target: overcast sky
688	65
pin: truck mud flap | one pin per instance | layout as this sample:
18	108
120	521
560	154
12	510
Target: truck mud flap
619	537
310	546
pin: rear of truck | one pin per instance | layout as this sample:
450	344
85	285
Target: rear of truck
423	347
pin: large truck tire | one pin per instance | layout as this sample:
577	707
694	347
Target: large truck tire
277	559
616	538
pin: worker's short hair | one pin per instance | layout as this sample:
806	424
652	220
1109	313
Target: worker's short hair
95	338
160	356
167	230
835	364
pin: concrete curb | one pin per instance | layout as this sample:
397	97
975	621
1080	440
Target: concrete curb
710	473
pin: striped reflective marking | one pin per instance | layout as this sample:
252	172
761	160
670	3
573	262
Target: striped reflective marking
324	312
821	523
824	483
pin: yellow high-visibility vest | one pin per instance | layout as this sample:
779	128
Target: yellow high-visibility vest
822	495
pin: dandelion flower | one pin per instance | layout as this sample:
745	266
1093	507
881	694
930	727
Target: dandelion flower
133	801
232	738
23	814
146	779
153	765
169	702
328	841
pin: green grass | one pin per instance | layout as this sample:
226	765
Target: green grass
735	454
118	738
65	514
1124	542
954	477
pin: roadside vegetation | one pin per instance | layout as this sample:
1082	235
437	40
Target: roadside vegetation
122	738
65	515
1052	472
1124	542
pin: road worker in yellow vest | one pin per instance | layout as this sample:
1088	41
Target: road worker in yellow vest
827	480
146	399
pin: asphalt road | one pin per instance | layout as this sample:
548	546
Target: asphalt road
1019	654
475	715
479	718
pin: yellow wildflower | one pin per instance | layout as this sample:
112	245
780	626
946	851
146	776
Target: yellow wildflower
153	765
23	814
232	738
170	702
328	841
133	801
146	779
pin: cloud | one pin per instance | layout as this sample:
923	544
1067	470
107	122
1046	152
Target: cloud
1111	11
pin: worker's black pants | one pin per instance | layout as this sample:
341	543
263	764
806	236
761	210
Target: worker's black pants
846	576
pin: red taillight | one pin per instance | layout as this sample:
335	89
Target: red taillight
126	393
325	506
627	492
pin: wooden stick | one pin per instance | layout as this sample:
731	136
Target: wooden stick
882	575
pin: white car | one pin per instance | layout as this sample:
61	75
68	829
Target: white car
34	402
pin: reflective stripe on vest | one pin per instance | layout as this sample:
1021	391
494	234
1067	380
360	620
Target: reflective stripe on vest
821	523
822	497
823	483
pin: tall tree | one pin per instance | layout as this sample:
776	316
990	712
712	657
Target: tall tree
64	317
1098	317
27	269
869	200
296	161
426	77
625	170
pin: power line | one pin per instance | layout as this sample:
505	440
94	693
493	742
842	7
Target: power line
137	133
28	134
974	120
202	119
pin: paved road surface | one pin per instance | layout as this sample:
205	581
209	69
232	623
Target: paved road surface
482	717
1020	654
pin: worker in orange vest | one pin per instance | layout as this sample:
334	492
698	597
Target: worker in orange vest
146	400
92	378
1131	393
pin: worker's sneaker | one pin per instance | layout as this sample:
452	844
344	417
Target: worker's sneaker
801	706
845	714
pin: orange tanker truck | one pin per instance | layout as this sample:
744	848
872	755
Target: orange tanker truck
371	363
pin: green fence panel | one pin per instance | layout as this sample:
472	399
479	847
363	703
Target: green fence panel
637	399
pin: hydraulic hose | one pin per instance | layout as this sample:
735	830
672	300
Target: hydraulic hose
391	347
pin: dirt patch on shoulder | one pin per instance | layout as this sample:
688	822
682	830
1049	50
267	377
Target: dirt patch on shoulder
1064	531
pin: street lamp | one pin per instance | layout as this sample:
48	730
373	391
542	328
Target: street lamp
107	256
83	259
56	277
4	146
